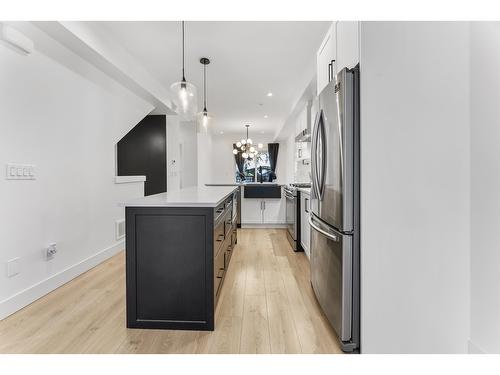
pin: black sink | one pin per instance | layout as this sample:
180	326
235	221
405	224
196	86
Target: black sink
258	190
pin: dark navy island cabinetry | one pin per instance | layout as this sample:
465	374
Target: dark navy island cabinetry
178	248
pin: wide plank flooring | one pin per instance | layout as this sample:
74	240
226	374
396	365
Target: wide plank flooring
266	306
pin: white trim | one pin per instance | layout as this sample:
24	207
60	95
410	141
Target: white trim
129	179
264	225
25	297
473	348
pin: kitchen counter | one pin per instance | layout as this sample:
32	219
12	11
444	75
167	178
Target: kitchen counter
246	184
197	196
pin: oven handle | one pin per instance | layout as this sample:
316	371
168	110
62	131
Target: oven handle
323	232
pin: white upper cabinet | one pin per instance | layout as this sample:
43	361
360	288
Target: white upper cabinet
340	45
324	57
303	120
347	45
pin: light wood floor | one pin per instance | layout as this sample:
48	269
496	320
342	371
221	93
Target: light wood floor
266	306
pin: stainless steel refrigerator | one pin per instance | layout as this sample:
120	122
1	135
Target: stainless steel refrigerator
334	210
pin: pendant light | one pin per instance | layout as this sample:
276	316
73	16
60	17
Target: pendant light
184	92
204	117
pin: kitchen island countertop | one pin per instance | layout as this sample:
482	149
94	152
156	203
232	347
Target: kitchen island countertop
196	196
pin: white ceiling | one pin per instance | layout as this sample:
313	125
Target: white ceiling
248	60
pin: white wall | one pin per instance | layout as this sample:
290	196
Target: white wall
206	160
67	125
485	187
415	190
182	154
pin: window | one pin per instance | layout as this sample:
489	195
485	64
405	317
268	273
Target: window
252	169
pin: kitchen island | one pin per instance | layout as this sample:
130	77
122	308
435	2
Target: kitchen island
178	248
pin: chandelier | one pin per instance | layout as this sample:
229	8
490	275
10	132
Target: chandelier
246	148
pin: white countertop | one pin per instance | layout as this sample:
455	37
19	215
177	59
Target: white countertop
197	196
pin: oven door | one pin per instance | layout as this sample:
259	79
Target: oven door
291	210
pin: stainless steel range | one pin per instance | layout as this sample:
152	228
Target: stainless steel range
292	196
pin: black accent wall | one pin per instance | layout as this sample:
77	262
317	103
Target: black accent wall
143	151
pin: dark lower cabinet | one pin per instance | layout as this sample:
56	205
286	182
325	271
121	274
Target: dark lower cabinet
177	258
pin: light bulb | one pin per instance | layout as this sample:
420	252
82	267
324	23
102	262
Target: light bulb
244	155
243	141
238	144
260	145
205	119
235	151
252	149
243	148
249	141
185	99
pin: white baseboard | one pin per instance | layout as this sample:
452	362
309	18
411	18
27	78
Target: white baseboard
271	226
25	297
474	349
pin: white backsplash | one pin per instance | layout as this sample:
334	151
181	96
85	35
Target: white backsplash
302	162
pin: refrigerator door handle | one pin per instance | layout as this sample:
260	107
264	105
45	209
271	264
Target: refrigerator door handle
314	167
321	132
323	232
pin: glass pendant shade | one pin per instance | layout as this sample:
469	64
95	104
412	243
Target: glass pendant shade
204	120
249	141
184	97
238	144
235	151
244	155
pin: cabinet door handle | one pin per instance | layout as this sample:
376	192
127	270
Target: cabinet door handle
264	205
306	204
330	72
332	69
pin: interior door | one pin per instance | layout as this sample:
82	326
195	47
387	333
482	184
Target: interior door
331	275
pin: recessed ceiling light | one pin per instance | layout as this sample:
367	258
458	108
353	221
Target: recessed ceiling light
262	132
266	116
221	132
269	94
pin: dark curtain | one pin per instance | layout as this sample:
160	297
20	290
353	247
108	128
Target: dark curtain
239	162
273	148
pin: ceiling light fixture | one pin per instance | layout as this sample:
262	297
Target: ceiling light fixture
266	116
245	147
269	94
204	116
184	92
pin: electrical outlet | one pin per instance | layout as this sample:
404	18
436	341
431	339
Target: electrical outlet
13	267
51	251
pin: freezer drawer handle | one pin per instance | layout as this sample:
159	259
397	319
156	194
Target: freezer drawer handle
329	235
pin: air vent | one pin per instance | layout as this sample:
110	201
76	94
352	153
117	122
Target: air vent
120	228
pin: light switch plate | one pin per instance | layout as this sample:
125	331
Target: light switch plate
13	267
20	171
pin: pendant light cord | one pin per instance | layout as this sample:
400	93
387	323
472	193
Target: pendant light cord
183	75
205	86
